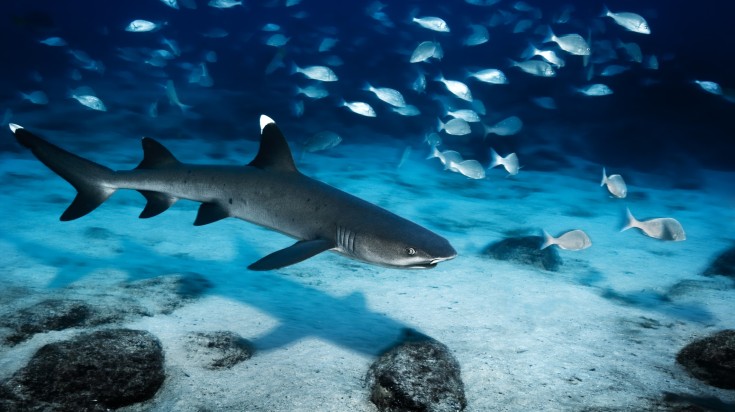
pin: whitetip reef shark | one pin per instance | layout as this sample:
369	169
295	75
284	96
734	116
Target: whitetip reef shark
269	191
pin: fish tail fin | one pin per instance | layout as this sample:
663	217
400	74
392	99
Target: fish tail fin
439	124
549	35
494	158
630	220
605	11
294	68
528	52
94	183
367	86
604	177
434	153
548	240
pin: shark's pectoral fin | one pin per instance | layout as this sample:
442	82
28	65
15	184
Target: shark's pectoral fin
295	253
157	203
210	213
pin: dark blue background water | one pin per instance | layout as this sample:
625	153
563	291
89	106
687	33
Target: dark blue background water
656	120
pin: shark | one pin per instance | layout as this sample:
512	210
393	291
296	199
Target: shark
269	191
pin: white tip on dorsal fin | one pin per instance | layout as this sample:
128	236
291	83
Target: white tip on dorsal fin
265	121
14	127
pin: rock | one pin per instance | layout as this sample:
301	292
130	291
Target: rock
525	250
47	315
418	374
711	359
91	372
218	350
723	265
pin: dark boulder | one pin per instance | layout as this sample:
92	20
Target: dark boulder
525	250
218	350
711	359
47	315
92	372
417	374
724	264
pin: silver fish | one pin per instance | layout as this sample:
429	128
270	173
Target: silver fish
391	96
493	76
313	92
432	23
629	21
141	26
320	73
614	70
173	97
615	184
535	67
224	4
469	168
663	228
547	55
478	36
571	43
407	110
360	108
424	51
93	102
54	42
455	127
277	40
506	127
709	87
174	4
633	50
468	115
35	97
597	89
572	240
322	141
457	88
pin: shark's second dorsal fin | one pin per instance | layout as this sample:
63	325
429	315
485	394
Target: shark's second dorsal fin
274	153
155	156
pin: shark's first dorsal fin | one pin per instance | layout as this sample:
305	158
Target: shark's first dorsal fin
274	153
155	156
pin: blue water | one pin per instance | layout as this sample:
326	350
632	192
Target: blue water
673	142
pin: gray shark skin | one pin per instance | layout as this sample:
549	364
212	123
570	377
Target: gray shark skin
269	191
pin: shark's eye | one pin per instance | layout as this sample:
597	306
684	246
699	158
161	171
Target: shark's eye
411	251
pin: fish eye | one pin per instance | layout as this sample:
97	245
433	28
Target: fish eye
411	251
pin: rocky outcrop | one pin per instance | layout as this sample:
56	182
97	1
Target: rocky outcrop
711	359
525	250
217	350
92	372
417	374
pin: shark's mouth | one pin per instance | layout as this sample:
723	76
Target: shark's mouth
430	264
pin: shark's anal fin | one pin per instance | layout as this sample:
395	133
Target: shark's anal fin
157	203
295	253
210	213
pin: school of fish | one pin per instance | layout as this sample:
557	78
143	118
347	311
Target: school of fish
451	106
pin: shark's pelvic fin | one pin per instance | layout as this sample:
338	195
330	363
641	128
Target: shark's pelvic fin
155	155
210	213
295	253
274	153
157	203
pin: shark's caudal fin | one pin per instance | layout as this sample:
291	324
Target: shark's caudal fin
94	182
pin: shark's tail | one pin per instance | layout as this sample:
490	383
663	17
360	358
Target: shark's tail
94	182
